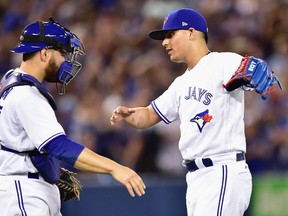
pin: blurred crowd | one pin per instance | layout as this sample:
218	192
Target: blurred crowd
122	66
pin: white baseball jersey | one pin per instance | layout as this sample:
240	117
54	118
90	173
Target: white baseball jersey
211	119
27	121
212	127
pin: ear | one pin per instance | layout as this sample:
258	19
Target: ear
45	54
192	32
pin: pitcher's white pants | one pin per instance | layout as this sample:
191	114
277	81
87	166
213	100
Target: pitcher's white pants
220	190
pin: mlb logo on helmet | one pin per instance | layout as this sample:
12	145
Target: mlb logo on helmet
181	19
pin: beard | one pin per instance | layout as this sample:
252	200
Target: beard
52	71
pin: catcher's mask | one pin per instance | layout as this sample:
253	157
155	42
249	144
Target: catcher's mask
50	34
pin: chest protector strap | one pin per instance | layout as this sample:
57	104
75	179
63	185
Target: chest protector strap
11	79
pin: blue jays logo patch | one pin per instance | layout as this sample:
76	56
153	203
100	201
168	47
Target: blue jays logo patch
201	119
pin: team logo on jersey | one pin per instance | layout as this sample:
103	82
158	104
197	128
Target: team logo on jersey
201	119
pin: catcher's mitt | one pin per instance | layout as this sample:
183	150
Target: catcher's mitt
253	73
69	186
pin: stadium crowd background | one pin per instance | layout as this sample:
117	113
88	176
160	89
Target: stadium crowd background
122	66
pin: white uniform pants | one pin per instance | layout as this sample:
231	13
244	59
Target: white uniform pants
219	190
21	196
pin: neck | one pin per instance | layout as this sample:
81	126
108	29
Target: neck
32	70
195	58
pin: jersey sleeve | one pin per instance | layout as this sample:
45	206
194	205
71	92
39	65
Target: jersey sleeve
38	119
234	61
166	105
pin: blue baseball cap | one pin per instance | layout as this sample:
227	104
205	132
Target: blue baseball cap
184	18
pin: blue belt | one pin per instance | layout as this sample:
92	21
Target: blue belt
207	162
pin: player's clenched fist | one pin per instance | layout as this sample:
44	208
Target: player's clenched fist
120	113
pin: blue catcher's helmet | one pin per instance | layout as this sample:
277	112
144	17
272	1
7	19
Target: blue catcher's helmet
50	34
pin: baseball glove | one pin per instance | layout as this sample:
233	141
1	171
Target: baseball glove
253	73
69	186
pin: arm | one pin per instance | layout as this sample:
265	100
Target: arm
92	162
84	159
138	117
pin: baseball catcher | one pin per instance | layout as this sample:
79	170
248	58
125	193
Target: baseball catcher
32	141
48	166
253	73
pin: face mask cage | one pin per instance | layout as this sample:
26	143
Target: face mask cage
71	66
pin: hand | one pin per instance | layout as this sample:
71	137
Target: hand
120	113
93	162
130	179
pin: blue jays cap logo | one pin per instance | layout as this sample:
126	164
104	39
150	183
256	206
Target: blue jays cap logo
164	21
201	119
